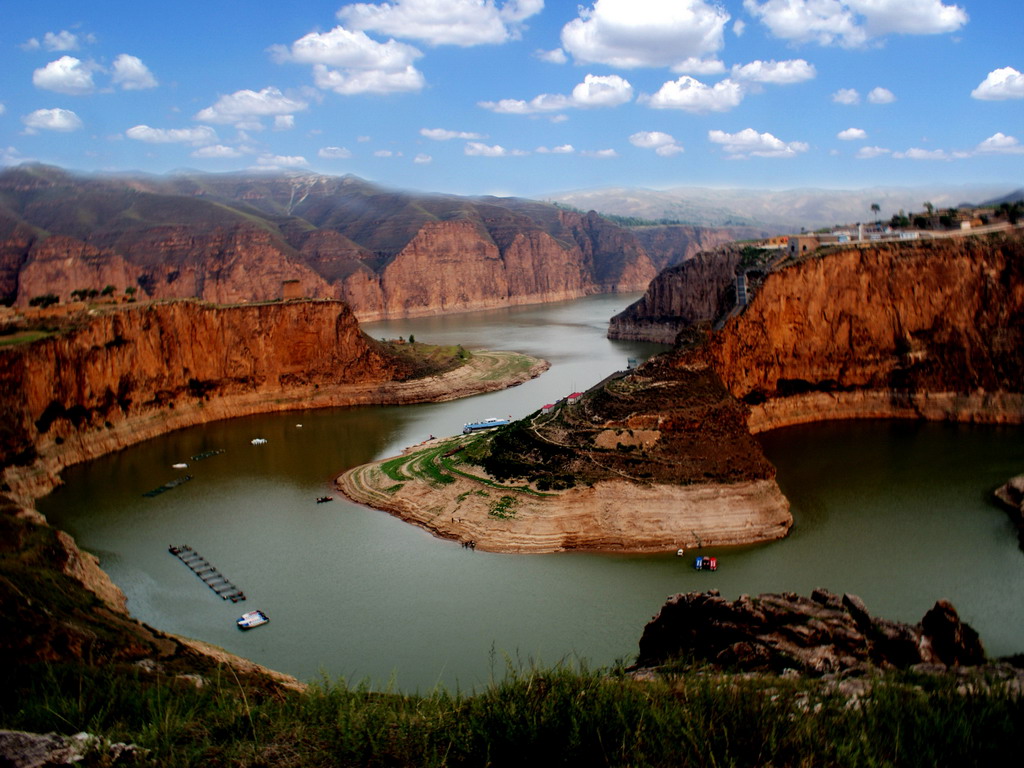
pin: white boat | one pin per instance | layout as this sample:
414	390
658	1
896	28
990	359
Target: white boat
252	619
258	441
477	426
180	465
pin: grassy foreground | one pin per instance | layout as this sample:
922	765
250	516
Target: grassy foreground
559	716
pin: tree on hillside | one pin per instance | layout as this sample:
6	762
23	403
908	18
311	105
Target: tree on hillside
929	207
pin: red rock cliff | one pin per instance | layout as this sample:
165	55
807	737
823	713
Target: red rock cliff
926	329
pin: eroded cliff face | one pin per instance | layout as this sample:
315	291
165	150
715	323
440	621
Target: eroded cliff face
126	375
929	329
697	291
236	239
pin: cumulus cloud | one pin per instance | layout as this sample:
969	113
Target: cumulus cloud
284	122
247	106
692	95
695	66
645	33
848	96
663	144
443	22
352	82
479	149
557	56
422	159
440	134
1001	84
777	72
62	120
853	23
1000	143
131	74
852	134
881	96
65	75
750	143
202	134
563	149
217	151
867	153
600	154
58	41
916	153
281	161
360	64
334	153
595	91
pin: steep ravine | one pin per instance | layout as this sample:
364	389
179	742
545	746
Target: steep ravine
124	376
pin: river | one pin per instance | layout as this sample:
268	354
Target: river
898	513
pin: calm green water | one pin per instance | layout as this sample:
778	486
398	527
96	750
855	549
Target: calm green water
897	513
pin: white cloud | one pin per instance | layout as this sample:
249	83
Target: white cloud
422	159
334	153
443	22
63	120
386	153
564	149
281	161
351	50
284	122
916	153
645	33
749	142
202	134
362	65
440	134
852	134
663	144
557	56
739	27
777	72
881	96
2	108
1000	84
1000	143
247	106
852	23
867	153
694	96
595	91
351	82
479	149
695	66
600	154
217	151
65	75
131	74
60	41
848	96
11	156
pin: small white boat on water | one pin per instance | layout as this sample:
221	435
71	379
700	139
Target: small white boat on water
180	465
252	619
258	441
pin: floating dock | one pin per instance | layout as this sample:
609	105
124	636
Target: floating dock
209	575
167	486
207	454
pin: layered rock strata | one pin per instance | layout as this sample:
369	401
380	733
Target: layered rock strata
654	461
255	238
124	376
823	634
930	330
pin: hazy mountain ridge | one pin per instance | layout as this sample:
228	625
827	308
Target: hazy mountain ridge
783	210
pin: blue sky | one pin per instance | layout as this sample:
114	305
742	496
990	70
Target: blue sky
523	97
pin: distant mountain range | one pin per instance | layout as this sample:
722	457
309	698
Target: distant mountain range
783	210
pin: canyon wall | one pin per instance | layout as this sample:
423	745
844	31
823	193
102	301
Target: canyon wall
122	376
242	238
931	329
696	291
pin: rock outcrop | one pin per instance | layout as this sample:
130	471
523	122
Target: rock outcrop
697	291
116	378
823	634
1011	496
255	238
929	329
